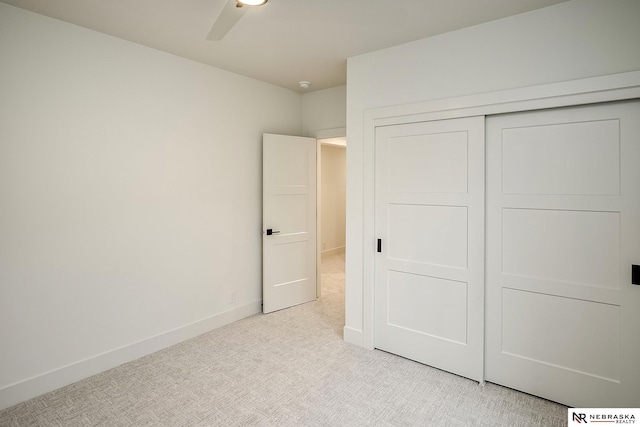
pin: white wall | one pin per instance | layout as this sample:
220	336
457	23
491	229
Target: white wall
572	40
333	188
130	195
324	110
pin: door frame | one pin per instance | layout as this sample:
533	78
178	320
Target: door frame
614	87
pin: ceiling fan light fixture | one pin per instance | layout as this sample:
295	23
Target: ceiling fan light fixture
251	2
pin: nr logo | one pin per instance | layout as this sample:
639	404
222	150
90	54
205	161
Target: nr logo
580	418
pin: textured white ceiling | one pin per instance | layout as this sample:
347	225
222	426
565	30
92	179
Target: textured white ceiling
284	41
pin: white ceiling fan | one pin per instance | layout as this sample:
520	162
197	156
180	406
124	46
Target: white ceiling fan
231	13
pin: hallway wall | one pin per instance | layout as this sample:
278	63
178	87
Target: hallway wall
333	189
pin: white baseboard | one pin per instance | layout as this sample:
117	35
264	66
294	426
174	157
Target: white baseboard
353	336
331	252
35	386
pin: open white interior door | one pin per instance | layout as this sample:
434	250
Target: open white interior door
289	221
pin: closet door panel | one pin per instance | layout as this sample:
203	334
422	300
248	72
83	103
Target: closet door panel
429	218
563	230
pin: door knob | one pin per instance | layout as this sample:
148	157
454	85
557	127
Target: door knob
271	231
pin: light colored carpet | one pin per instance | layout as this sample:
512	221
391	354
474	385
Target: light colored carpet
289	368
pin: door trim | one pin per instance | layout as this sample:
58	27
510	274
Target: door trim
614	87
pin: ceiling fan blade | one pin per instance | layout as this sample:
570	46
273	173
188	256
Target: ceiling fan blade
228	17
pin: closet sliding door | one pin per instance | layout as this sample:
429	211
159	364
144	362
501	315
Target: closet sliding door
429	224
563	230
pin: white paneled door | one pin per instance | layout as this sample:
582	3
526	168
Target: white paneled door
429	222
289	221
563	230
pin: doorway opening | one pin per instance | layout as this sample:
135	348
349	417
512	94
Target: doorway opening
331	215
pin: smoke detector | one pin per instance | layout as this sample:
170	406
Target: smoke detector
304	84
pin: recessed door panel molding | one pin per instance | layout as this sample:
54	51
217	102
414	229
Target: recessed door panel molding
429	281
295	207
428	234
529	319
290	264
563	229
428	305
428	163
585	158
295	176
581	247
